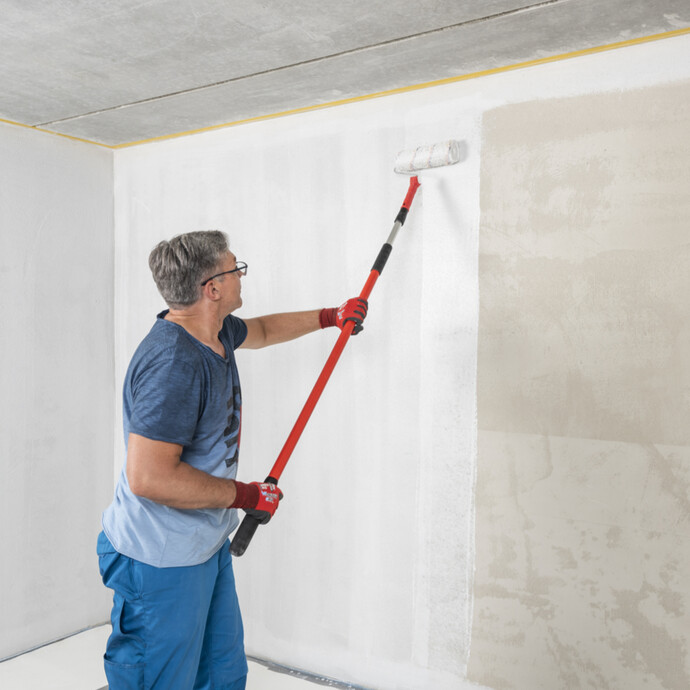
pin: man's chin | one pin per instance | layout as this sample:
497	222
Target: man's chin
237	305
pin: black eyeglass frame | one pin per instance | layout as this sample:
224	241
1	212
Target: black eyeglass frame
241	268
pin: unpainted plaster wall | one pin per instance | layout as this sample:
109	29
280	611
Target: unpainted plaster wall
583	488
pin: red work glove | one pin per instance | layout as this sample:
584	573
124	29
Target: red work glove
354	309
258	500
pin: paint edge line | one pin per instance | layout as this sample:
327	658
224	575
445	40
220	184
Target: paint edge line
380	94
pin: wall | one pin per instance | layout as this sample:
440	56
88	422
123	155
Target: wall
583	492
355	578
368	573
56	367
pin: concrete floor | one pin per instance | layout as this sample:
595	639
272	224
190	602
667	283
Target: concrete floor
76	664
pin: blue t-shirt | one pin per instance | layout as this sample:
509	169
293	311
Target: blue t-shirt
179	390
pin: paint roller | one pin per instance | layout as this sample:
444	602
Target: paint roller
407	163
425	157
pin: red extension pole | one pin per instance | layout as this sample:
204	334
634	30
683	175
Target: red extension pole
249	525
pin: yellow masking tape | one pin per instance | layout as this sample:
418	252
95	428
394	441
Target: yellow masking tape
380	94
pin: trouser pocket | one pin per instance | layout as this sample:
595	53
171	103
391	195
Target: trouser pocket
124	676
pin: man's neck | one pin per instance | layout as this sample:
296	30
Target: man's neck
200	324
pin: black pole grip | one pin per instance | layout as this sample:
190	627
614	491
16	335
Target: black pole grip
245	532
244	535
382	258
402	216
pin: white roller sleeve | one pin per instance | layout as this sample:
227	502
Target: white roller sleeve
424	157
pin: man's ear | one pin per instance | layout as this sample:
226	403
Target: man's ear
210	291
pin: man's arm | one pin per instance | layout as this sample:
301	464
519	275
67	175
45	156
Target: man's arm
155	471
279	328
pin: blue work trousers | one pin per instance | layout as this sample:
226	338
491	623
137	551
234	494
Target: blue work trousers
173	628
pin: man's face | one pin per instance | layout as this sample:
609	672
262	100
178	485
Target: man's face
230	285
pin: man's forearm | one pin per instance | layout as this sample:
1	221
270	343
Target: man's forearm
188	488
272	329
174	483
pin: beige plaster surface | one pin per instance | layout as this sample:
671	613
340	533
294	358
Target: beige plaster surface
583	481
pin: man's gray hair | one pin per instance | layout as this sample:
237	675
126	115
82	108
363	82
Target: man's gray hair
180	265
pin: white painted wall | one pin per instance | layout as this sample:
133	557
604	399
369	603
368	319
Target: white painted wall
351	579
366	573
56	367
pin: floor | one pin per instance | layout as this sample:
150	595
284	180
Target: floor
76	664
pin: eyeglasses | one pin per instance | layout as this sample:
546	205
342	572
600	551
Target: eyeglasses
241	268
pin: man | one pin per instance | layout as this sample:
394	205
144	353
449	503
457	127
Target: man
164	546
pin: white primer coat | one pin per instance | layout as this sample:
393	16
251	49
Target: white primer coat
56	364
366	573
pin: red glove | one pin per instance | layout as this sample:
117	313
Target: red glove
354	309
258	500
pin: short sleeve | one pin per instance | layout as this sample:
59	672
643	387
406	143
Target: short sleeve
166	401
236	330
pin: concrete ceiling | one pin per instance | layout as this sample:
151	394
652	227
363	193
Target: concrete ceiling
124	71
